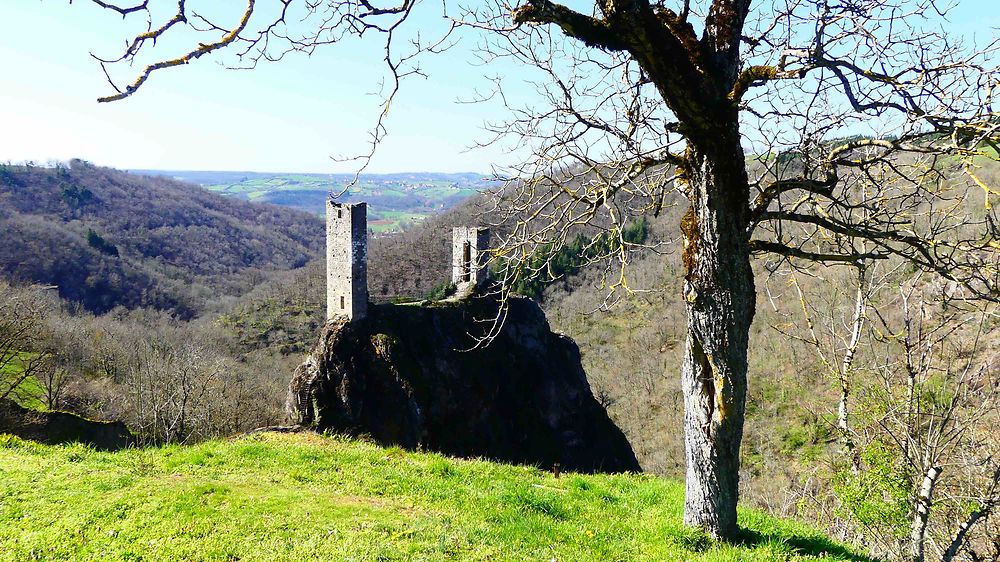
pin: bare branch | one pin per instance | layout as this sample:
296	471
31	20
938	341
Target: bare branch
201	51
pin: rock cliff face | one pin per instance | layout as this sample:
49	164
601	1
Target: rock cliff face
405	375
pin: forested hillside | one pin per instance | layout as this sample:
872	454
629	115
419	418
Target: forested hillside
106	238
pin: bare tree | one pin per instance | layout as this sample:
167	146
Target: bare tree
940	407
22	352
70	349
855	112
54	380
920	476
168	380
171	383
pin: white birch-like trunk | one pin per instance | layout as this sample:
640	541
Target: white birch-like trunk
921	513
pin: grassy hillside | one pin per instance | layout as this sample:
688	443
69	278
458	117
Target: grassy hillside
395	201
306	497
107	238
29	393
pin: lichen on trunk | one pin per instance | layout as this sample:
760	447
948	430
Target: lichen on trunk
720	299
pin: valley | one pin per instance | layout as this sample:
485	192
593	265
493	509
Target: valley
241	343
395	201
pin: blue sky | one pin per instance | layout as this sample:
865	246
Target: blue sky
287	116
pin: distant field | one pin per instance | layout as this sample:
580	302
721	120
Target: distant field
394	200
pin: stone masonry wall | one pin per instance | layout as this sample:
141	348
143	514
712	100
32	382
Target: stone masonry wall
468	265
346	260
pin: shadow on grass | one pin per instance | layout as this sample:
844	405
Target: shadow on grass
813	545
55	427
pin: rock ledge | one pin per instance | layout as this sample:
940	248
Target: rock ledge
405	375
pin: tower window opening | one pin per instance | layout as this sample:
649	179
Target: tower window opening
342	303
466	262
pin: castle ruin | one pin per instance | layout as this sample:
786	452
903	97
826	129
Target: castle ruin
346	260
529	391
468	262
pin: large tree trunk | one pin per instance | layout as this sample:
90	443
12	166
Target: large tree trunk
697	77
720	299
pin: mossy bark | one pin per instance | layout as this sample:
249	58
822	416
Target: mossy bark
720	299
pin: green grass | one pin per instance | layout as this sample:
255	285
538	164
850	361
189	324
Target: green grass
393	221
447	191
29	393
306	497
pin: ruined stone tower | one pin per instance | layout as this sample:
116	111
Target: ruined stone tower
346	260
469	245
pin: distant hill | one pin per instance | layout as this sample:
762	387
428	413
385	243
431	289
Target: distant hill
395	200
107	238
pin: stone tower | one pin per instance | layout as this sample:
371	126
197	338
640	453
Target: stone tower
468	263
346	260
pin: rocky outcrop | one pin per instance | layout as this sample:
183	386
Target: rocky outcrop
62	427
406	375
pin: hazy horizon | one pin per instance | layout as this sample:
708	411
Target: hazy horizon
52	162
